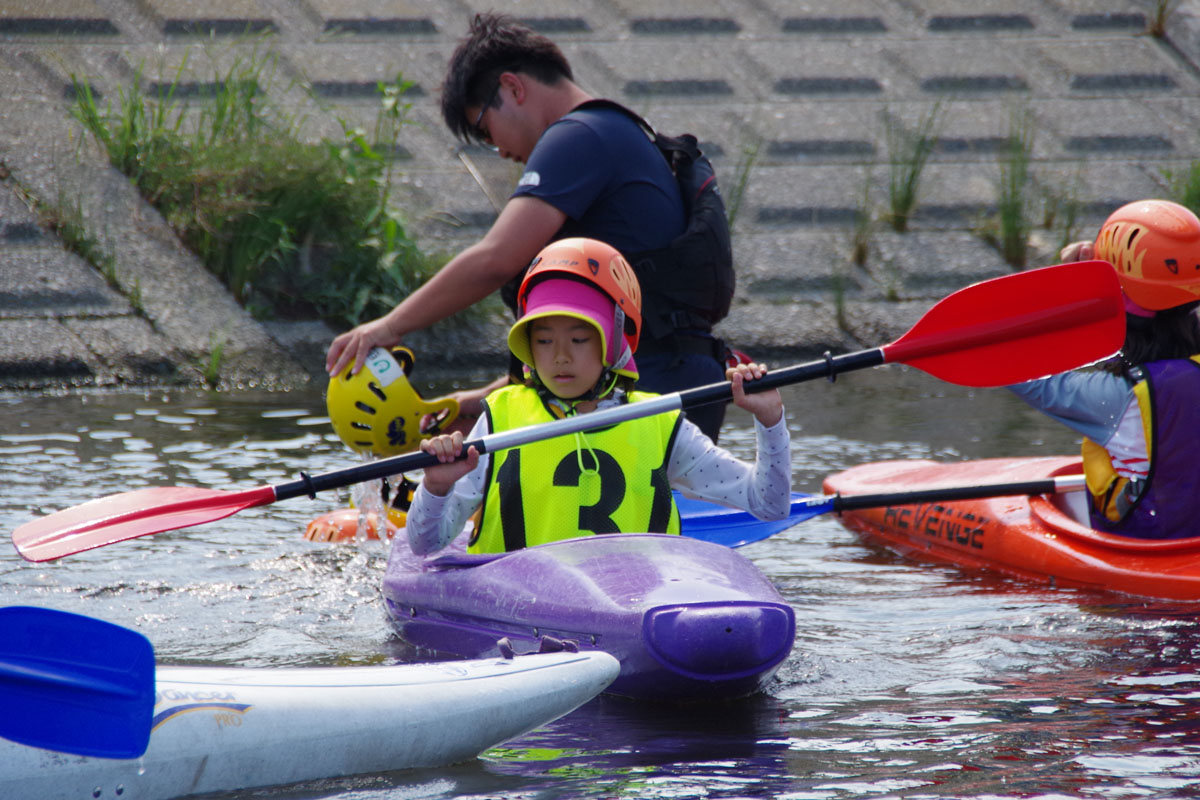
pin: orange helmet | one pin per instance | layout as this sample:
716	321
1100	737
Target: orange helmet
607	295
1154	245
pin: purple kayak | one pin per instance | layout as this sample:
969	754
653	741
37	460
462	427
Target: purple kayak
689	620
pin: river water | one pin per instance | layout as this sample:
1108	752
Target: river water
907	680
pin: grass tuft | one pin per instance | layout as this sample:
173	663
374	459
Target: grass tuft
733	198
1157	24
1184	187
908	153
1013	203
295	229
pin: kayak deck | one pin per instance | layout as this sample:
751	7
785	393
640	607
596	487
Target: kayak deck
688	620
1037	538
231	728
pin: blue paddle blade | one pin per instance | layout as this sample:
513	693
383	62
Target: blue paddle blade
733	528
74	684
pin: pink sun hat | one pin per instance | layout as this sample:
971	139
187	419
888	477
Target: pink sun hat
572	298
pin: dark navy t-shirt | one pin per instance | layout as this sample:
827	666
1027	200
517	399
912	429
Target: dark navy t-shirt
598	167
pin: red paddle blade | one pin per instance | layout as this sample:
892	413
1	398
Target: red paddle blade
1021	326
129	515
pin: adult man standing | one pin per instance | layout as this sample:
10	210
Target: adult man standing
590	172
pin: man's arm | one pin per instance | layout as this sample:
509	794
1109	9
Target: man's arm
524	226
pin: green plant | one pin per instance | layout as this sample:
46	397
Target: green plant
838	281
1060	209
733	198
864	225
294	228
1157	24
211	366
908	153
1185	187
1013	202
66	220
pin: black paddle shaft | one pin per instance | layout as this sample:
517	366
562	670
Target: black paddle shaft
948	494
828	367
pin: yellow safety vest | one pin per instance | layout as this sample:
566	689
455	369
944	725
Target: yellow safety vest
612	480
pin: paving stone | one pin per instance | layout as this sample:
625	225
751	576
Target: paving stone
211	17
792	196
96	66
26	362
787	328
819	132
195	70
353	73
670	18
1104	16
495	178
1097	193
959	68
637	73
20	233
68	18
840	18
451	205
373	17
951	195
826	70
1134	65
982	16
1122	127
47	281
873	324
1130	21
130	350
927	264
967	130
423	141
13	210
553	18
788	263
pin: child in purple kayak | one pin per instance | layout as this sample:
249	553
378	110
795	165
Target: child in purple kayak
1139	412
577	334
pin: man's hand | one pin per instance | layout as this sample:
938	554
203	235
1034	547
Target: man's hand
1077	251
352	346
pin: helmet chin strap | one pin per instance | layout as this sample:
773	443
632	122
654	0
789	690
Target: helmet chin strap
607	379
618	333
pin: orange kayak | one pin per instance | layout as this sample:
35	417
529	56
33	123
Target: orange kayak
1038	538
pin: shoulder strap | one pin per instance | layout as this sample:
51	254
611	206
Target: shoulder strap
673	148
613	105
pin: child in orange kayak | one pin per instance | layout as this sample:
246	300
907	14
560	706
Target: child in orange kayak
578	330
1140	411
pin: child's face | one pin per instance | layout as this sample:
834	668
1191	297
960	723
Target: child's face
566	354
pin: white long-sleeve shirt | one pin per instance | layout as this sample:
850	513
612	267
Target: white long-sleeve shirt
697	467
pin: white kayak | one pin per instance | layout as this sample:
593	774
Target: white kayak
227	728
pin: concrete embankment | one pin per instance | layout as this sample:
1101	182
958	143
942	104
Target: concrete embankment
802	112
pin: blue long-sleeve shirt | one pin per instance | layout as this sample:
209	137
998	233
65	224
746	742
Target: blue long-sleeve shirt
1091	403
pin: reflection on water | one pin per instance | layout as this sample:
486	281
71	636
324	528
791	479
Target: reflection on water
907	680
